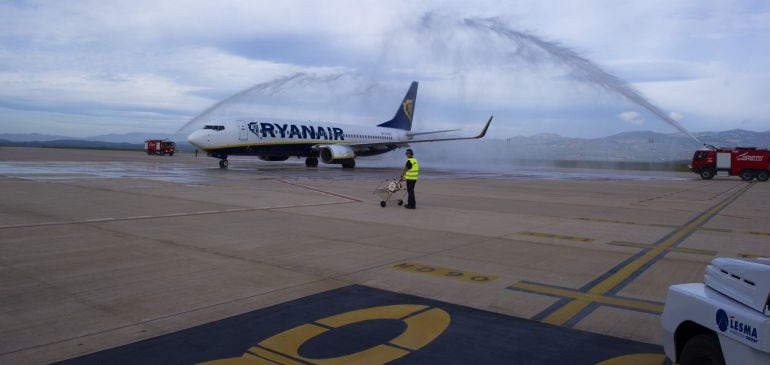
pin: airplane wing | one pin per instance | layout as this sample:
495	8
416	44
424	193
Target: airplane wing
431	132
405	143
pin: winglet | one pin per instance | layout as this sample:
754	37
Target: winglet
484	131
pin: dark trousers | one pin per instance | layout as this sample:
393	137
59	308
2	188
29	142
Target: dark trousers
410	190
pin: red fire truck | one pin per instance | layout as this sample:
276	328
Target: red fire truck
746	162
159	147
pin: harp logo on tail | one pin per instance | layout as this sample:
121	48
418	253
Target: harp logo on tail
408	106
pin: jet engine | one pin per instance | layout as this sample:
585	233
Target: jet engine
336	153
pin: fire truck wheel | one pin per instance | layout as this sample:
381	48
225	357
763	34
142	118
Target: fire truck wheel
171	153
706	174
702	349
746	175
763	175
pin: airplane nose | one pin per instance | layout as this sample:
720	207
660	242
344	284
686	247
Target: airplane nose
198	139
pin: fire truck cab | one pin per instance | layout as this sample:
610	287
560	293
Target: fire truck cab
159	147
747	162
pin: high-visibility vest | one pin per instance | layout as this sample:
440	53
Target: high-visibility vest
412	174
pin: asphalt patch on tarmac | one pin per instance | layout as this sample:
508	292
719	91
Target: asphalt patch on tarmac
361	325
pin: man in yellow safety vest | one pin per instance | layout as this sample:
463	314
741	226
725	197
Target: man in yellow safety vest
410	174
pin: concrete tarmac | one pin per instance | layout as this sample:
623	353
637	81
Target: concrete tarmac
103	249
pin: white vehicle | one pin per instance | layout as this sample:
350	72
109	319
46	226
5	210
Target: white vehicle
726	320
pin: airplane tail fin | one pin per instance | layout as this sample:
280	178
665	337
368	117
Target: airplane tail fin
405	112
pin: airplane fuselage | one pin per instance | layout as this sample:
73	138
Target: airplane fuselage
279	138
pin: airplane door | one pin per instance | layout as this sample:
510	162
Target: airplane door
243	131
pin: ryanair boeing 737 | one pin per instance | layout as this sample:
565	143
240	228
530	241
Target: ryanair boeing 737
273	140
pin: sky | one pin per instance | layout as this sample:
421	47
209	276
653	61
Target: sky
84	68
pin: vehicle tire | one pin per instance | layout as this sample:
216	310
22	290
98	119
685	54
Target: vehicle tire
309	162
746	175
223	164
348	164
702	349
149	153
763	175
383	204
706	174
400	202
170	154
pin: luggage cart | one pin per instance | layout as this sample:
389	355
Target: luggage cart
390	190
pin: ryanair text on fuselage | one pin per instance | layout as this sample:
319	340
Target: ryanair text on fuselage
275	130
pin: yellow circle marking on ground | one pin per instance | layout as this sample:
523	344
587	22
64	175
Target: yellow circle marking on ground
421	329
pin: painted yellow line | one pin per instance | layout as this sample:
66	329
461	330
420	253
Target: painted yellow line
455	274
760	233
432	323
565	313
578	295
722	230
751	256
672	249
557	236
272	356
606	220
662	225
361	315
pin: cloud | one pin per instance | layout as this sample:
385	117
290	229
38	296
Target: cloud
676	116
632	118
174	59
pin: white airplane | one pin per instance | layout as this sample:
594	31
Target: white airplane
277	140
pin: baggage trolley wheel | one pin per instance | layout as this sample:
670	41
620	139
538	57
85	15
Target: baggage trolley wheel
382	204
400	202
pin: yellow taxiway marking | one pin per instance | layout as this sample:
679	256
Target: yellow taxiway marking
760	233
466	276
557	236
578	295
723	230
607	220
571	309
672	249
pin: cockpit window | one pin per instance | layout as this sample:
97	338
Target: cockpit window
214	127
700	155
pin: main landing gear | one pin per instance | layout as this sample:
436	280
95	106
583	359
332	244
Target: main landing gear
311	162
223	163
349	164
